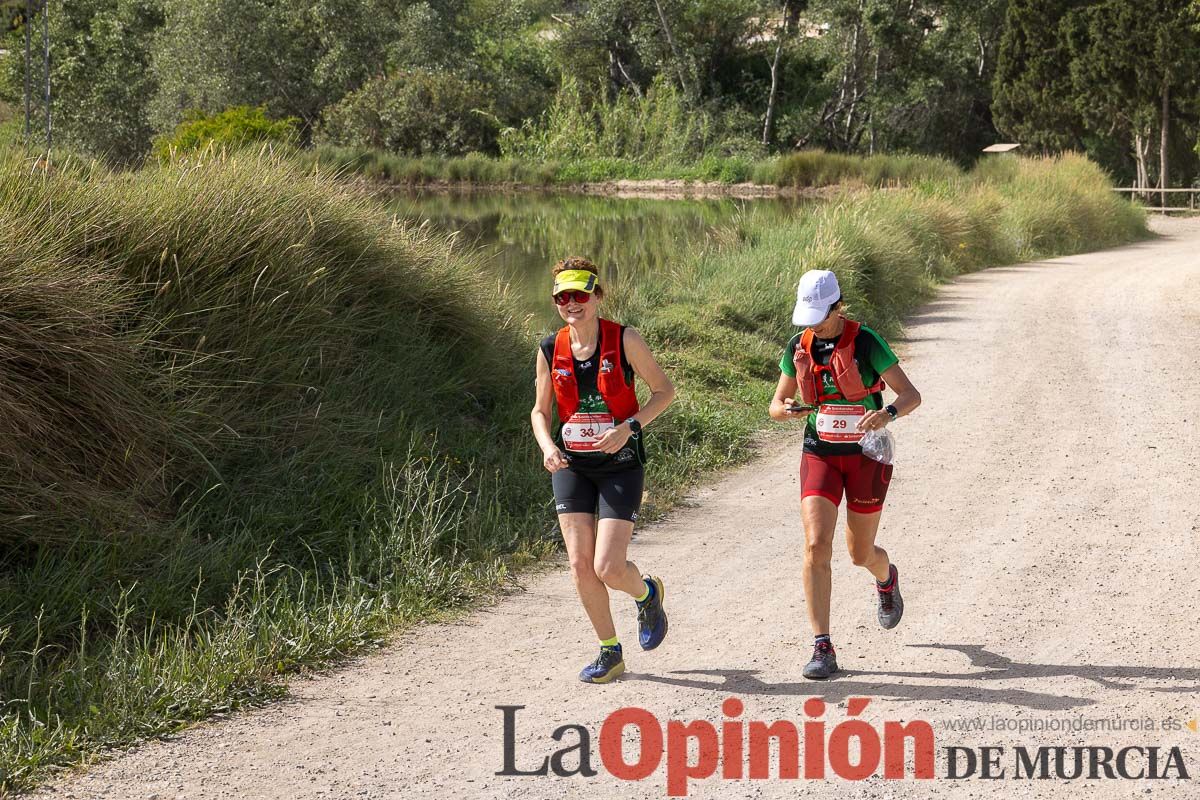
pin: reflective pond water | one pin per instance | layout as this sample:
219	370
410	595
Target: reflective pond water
522	235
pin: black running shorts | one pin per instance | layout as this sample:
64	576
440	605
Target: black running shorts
609	495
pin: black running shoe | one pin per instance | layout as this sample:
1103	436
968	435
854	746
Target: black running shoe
891	604
823	664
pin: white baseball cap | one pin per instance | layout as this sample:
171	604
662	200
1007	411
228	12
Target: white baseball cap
815	296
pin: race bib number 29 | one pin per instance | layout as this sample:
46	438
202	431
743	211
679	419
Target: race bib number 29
582	431
839	423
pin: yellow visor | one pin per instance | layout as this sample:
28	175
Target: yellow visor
574	279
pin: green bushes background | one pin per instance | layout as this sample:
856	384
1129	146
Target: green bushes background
415	112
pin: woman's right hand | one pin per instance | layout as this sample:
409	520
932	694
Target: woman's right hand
553	460
797	407
785	393
794	409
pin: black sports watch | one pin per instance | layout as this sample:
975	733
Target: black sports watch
635	427
892	411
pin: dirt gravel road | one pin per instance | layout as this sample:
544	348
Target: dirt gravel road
1044	516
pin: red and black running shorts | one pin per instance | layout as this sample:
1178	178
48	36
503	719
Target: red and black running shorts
864	480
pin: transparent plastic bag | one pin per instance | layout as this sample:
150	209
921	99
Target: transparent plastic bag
879	445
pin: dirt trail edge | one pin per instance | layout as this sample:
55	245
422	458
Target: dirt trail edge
1044	518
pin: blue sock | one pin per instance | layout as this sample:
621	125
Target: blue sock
823	637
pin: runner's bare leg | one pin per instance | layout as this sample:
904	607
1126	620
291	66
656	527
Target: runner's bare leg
612	564
579	534
820	521
860	540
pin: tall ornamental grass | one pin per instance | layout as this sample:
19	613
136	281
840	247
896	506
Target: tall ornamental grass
252	425
237	400
219	328
814	168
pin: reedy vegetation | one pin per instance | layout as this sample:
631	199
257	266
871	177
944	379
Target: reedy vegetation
802	170
292	424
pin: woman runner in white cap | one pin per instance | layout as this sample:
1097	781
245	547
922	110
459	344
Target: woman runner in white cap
832	376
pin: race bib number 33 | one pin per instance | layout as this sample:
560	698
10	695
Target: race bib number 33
839	423
582	431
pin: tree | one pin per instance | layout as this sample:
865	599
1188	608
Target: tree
791	19
945	107
295	57
1032	88
692	41
415	112
430	35
494	43
100	73
1136	87
906	74
508	55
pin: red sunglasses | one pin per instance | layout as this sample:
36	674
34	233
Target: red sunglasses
579	296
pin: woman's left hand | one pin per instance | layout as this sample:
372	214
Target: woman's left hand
874	420
614	439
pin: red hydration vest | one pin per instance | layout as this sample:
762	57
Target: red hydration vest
841	367
618	395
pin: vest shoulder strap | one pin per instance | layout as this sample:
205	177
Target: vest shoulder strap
612	340
849	333
806	339
607	329
562	345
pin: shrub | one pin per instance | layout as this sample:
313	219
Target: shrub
230	129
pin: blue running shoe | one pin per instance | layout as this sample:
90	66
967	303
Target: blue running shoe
607	666
652	620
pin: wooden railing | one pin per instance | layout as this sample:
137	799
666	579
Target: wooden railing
1151	193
